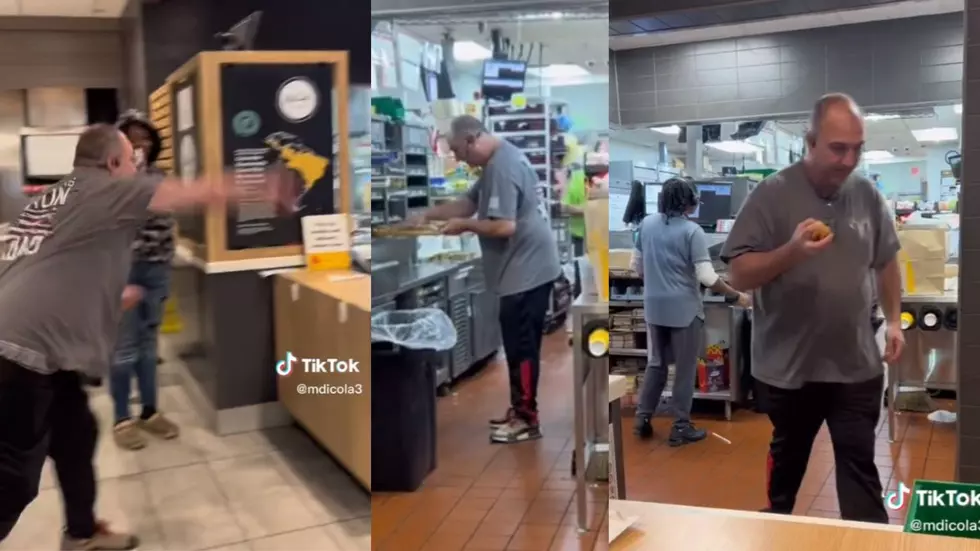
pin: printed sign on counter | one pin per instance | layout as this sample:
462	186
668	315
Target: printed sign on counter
326	241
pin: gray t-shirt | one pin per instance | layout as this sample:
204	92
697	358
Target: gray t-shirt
670	250
63	267
811	324
507	190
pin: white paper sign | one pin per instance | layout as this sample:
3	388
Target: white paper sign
326	233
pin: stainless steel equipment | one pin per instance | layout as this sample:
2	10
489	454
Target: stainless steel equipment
590	461
929	359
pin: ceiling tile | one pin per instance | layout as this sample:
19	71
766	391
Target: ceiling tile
624	27
650	24
676	20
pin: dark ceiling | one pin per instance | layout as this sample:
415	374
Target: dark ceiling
638	16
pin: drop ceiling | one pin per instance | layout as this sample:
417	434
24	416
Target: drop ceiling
62	8
760	18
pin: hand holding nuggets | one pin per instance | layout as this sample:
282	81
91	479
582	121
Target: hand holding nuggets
819	231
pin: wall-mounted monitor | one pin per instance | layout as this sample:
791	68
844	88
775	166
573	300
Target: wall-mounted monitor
502	78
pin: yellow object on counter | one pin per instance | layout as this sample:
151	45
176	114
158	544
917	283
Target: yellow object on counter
597	242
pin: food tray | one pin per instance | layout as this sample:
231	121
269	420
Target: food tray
434	228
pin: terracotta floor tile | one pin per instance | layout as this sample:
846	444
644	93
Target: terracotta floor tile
732	476
487	497
533	537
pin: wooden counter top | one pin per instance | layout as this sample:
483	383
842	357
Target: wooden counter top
348	286
662	527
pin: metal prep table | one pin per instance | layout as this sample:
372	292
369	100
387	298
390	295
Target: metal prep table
930	356
591	405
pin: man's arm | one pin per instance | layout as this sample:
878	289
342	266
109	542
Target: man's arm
636	258
890	291
749	249
462	207
501	218
172	195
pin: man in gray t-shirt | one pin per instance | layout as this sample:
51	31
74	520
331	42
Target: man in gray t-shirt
63	267
520	260
814	353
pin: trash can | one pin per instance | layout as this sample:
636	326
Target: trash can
406	346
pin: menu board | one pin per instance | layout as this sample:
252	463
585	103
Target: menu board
277	120
187	151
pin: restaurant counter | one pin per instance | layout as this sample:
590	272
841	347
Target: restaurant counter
664	527
326	316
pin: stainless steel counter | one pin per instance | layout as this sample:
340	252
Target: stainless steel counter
590	390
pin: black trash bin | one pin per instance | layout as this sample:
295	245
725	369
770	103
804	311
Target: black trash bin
403	417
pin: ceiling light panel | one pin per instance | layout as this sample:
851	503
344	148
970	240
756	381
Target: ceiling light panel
872	156
735	147
936	135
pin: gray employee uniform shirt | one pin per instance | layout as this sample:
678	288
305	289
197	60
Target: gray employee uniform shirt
670	250
811	323
63	267
507	190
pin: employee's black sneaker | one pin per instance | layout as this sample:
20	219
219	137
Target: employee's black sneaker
507	418
517	430
686	434
642	426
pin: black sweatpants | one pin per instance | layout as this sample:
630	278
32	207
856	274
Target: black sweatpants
522	318
41	416
851	412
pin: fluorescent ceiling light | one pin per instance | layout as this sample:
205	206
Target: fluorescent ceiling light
468	50
735	147
559	71
872	156
672	130
958	108
936	135
873	117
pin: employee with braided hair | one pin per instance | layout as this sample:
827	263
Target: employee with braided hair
671	255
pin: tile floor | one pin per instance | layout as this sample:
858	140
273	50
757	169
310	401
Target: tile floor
491	497
270	490
716	474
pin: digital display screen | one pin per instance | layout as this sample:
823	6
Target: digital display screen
503	78
716	203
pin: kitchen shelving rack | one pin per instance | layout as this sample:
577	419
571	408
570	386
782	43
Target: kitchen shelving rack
399	170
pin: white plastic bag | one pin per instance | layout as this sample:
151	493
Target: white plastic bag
421	329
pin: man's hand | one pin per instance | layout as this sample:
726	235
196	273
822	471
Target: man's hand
744	300
131	297
894	342
456	226
803	242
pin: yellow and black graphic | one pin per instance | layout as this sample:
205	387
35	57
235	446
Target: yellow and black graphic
305	166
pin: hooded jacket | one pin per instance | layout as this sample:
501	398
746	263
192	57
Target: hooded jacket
155	239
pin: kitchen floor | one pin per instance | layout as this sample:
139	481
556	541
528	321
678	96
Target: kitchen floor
496	497
271	490
714	473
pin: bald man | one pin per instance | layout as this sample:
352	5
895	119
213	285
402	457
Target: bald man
814	353
63	267
520	260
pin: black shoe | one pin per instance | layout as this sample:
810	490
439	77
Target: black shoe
642	427
686	434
